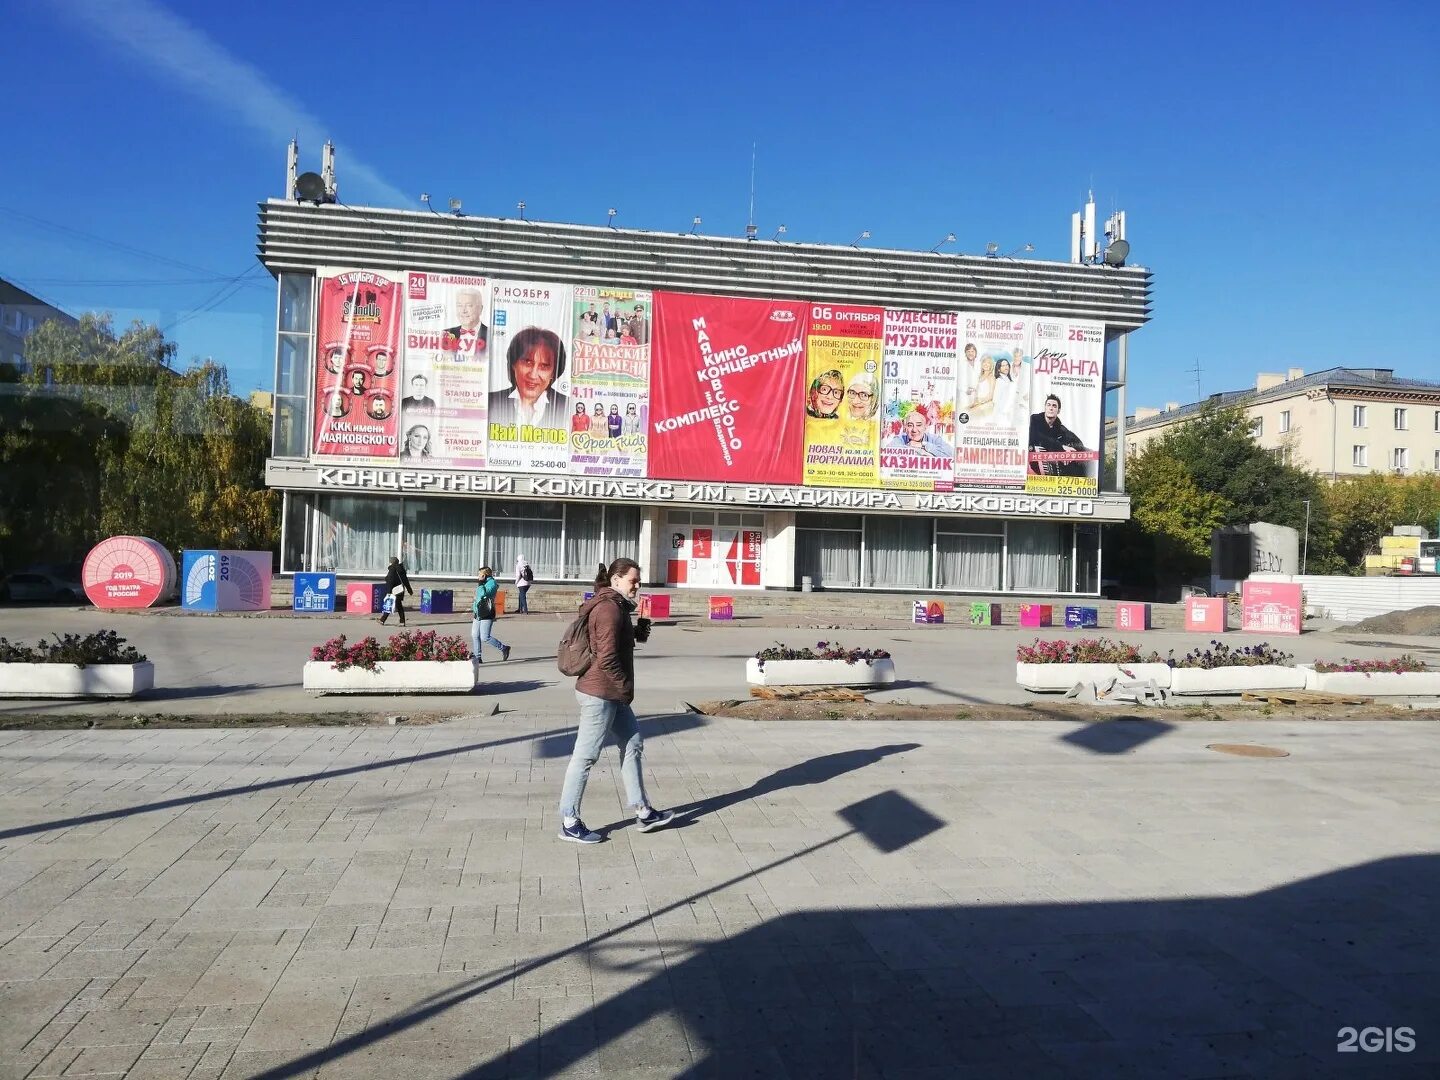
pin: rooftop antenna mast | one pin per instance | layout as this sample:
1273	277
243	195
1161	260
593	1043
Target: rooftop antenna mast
752	231
1196	371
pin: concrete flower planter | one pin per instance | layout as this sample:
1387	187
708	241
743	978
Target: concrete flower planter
819	673
1058	678
1235	680
1374	683
392	677
72	680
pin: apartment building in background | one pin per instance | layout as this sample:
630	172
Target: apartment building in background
1340	422
20	313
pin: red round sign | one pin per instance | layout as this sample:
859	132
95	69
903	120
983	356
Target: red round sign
127	572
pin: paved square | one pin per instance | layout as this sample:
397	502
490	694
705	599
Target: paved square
881	899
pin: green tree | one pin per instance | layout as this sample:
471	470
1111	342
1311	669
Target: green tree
133	445
1205	473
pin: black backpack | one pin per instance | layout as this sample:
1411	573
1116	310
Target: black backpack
526	574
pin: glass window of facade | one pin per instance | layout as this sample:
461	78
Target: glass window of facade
971	562
355	533
1038	557
442	537
827	550
897	552
293	349
452	538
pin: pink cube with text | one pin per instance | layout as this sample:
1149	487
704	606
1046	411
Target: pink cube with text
1132	616
1271	607
1205	614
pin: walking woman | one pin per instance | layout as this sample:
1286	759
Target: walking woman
482	616
605	692
397	584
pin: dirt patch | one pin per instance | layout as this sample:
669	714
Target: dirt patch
1417	622
751	709
133	722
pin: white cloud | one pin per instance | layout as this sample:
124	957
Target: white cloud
174	49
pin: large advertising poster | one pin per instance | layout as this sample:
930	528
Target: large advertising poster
529	406
993	406
842	396
917	451
357	335
445	385
610	381
726	389
1067	394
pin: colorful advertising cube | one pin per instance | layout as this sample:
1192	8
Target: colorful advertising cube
226	580
929	612
1271	607
437	601
1081	618
314	593
655	607
360	598
1132	616
984	614
1034	616
1205	614
722	608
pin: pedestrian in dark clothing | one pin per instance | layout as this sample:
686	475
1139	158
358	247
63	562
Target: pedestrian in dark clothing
604	693
397	585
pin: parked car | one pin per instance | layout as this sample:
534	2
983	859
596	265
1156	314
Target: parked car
33	585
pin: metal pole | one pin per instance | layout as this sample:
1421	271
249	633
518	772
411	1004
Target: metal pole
1122	365
1305	551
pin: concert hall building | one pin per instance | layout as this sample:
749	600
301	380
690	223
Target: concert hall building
735	413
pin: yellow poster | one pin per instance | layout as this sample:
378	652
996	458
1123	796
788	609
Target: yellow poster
842	398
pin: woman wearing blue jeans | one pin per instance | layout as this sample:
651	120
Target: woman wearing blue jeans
604	693
482	616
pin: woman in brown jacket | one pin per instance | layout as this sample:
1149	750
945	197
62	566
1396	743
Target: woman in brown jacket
605	692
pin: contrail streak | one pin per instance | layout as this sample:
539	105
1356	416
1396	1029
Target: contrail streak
176	50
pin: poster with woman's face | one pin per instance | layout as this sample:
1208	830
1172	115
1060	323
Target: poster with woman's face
531	350
991	407
843	396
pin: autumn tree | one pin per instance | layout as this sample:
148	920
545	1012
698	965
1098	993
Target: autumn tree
109	434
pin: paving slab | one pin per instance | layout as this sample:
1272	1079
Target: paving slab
890	898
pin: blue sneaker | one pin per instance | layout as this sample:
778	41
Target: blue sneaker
578	833
651	819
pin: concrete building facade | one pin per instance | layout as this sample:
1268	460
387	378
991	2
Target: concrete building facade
1339	422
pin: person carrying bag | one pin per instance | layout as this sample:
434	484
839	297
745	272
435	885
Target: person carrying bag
397	584
599	647
482	616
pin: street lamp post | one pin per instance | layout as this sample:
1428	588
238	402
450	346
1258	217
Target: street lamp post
1305	550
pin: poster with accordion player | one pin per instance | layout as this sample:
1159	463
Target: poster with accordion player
1067	387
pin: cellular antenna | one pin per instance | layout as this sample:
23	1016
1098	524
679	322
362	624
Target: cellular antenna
751	229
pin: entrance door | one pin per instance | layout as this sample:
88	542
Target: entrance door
710	550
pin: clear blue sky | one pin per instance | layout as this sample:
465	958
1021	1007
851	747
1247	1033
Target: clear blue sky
1278	162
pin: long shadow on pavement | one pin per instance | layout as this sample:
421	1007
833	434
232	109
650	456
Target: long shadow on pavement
543	738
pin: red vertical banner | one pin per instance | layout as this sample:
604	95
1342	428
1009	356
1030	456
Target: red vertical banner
725	389
357	368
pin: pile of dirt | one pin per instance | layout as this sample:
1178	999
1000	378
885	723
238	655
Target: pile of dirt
1417	622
